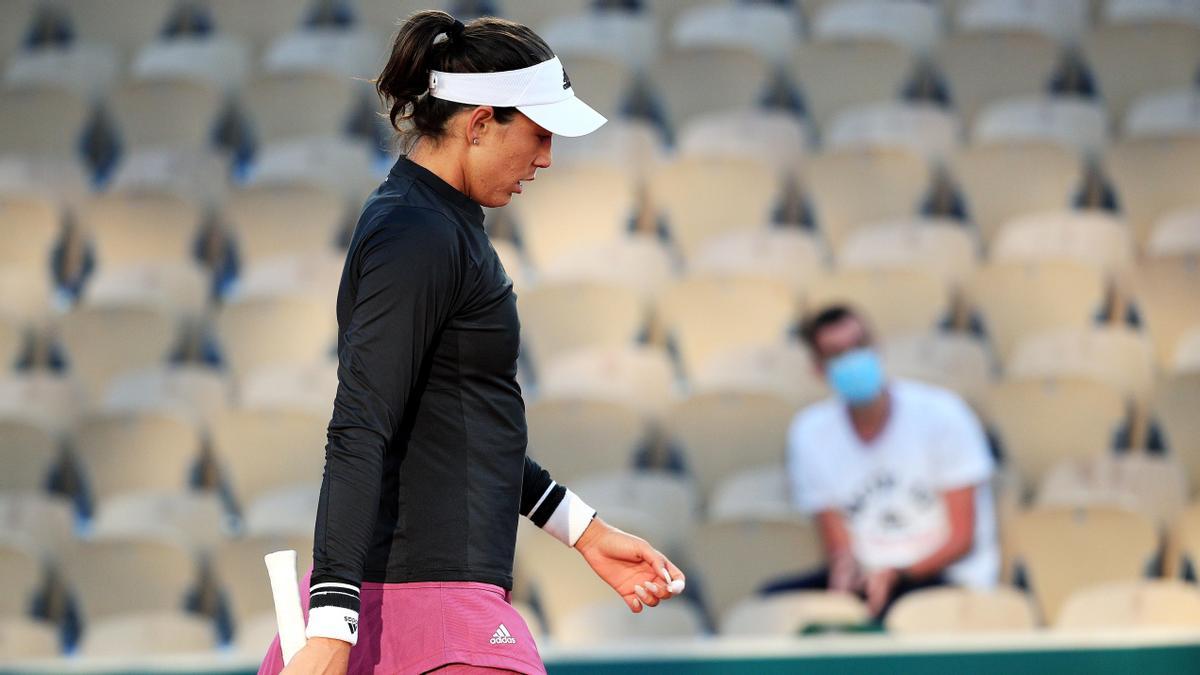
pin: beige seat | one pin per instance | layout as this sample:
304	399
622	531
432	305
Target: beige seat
30	225
163	447
850	189
1154	486
640	376
42	120
241	574
12	342
707	315
960	610
182	288
761	492
297	386
981	67
200	175
612	623
340	163
138	227
280	219
126	24
1074	123
1167	112
166	112
103	342
146	633
38	521
641	262
273	330
733	559
783	368
191	391
1151	178
703	198
192	519
513	262
22	638
922	128
264	449
1176	234
733	78
1167	293
632	145
290	510
1175	404
1001	181
1113	354
577	436
1183	543
952	360
261	21
1187	353
318	272
1043	421
783	254
1124	605
25	294
775	136
897	300
116	576
569	210
721	432
1052	545
28	452
285	106
558	318
789	614
837	74
20	564
1017	300
914	25
50	400
1086	237
1132	59
937	245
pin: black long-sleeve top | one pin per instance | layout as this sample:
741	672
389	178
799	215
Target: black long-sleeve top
425	466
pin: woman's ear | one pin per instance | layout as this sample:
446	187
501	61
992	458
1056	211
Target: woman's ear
479	123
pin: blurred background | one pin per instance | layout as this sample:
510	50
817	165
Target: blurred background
1008	189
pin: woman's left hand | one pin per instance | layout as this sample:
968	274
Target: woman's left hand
635	570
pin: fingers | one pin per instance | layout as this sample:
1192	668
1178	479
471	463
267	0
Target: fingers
648	599
633	603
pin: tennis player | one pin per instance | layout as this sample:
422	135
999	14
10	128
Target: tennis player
425	467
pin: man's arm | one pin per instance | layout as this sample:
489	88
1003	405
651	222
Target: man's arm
844	573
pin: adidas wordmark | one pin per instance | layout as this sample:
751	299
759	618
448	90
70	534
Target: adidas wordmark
503	637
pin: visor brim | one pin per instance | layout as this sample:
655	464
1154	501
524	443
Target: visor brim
570	117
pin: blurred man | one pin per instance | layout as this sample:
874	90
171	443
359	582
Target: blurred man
895	472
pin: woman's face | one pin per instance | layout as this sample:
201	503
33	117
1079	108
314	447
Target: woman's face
506	156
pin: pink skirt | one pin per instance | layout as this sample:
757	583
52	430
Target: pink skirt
420	626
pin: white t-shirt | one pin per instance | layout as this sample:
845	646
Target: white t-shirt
889	490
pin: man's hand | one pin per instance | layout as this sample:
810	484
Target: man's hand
631	566
880	586
320	656
845	575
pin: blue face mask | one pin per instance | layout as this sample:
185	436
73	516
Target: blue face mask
856	376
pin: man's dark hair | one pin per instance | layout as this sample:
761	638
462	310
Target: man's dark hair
817	321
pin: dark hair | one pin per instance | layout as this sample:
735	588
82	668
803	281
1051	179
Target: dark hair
484	45
814	323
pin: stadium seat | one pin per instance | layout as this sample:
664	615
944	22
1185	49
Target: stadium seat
1074	123
22	565
1151	11
38	521
557	318
705	315
1088	237
1182	555
222	60
772	135
631	145
192	519
60	177
607	82
579	436
764	28
912	24
985	66
286	106
610	622
259	22
781	368
128	24
282	219
641	376
1016	300
317	272
573	209
149	633
1187	354
840	74
42	120
259	450
19	14
164	448
1167	294
730	560
703	198
639	262
628	37
110	577
28	452
195	175
1052	545
851	189
733	79
1154	486
721	432
25	296
1057	19
1150	176
140	226
1135	58
949	610
22	638
761	492
897	300
922	128
1043	421
1003	181
532	13
1124	605
339	163
167	112
191	391
955	361
346	52
88	70
310	386
275	329
30	225
238	567
1175	403
1176	234
937	245
12	342
774	254
1171	112
180	287
286	511
104	341
790	614
1116	355
50	400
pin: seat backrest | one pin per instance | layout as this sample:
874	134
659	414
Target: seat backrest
123	452
581	436
961	610
849	189
261	449
116	576
1145	603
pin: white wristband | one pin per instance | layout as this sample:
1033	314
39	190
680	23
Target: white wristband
570	519
333	622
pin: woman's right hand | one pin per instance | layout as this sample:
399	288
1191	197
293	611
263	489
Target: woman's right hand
320	656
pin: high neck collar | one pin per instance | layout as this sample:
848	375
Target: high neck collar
406	168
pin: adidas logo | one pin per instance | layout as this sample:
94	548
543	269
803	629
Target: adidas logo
503	637
352	622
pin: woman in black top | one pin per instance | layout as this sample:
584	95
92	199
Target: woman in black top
425	469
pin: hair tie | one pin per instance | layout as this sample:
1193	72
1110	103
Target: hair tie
452	34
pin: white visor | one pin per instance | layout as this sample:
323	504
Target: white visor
542	92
